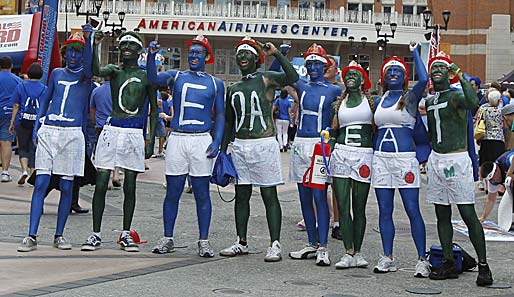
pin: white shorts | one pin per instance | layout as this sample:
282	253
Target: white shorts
450	179
61	150
395	170
257	162
120	147
186	154
351	162
301	157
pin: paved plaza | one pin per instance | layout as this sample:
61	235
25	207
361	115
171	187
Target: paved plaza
112	272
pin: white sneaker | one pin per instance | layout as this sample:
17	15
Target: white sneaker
6	177
205	249
62	243
359	261
235	249
274	253
28	244
308	252
164	245
385	265
345	262
322	258
422	268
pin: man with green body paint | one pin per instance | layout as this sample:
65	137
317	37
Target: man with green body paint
255	151
449	169
121	143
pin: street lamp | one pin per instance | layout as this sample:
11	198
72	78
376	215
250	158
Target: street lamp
427	17
78	5
356	47
114	32
383	42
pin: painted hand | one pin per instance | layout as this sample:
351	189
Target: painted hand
212	150
87	29
99	37
154	46
413	45
268	48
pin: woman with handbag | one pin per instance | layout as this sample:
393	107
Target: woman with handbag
492	144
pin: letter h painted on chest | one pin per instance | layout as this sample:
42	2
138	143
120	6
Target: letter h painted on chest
316	113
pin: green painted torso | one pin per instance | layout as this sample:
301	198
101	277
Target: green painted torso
252	103
132	84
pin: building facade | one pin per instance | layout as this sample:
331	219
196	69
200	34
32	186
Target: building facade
479	32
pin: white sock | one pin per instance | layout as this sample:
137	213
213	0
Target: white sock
168	238
97	234
5	172
125	233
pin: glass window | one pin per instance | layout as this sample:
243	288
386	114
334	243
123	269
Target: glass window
367	7
408	9
233	69
387	9
420	9
353	6
220	62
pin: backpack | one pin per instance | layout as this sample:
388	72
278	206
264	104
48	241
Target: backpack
28	117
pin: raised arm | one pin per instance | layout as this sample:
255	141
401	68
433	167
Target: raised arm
412	102
159	79
219	122
281	79
87	29
97	70
470	99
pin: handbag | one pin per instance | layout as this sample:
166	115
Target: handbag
479	129
224	170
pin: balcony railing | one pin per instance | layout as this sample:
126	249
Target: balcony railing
178	8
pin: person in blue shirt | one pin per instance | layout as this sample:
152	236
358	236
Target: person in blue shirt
191	149
26	101
315	97
8	83
285	112
59	132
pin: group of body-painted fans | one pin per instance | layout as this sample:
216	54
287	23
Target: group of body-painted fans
372	144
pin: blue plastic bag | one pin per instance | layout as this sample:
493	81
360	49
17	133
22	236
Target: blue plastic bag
224	170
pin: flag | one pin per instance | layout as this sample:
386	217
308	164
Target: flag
47	33
433	49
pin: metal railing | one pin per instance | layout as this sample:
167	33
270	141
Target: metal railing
228	10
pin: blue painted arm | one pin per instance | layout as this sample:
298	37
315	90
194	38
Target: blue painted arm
88	59
160	79
419	87
219	123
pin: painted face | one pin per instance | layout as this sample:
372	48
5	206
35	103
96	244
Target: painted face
247	61
130	50
352	79
196	57
315	69
439	72
73	57
394	77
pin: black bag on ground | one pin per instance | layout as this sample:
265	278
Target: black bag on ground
468	262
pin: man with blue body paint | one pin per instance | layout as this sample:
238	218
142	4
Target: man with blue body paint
191	149
60	138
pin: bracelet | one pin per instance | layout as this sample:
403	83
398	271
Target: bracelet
457	72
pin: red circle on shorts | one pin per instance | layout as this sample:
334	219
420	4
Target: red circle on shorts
409	177
364	171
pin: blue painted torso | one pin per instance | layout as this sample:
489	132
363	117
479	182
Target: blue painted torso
193	100
315	100
69	98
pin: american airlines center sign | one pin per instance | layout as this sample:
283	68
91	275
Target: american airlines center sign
244	28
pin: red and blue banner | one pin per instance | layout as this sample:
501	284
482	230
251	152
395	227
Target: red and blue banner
47	36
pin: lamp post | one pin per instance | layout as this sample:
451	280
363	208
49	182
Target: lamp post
96	13
356	47
427	17
383	42
114	32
